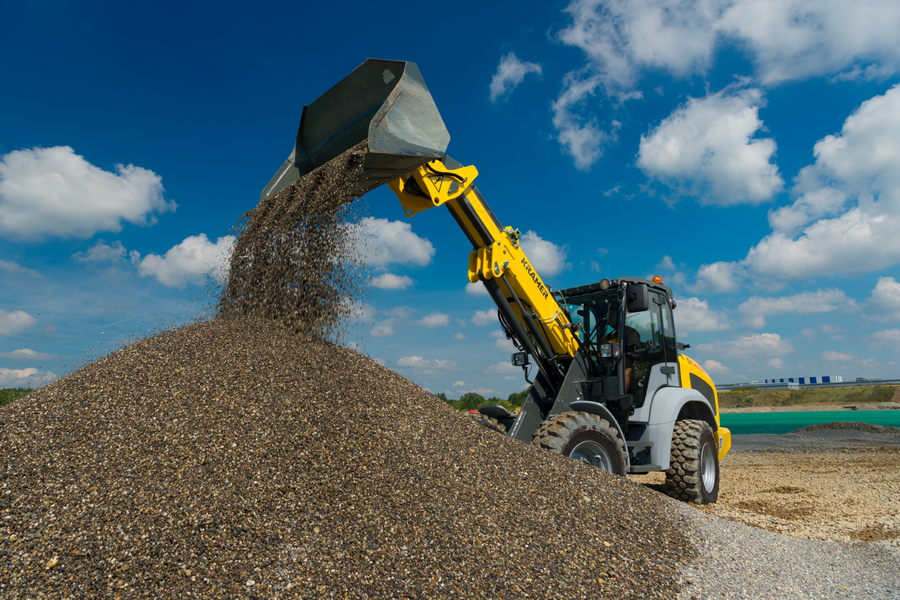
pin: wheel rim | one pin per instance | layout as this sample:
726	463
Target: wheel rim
593	454
708	467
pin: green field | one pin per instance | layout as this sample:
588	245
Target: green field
752	397
7	395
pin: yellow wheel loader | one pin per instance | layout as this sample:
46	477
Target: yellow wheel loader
611	385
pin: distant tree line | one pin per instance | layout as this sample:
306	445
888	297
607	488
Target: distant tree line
7	395
471	400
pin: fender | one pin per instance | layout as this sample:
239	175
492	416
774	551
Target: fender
595	408
668	404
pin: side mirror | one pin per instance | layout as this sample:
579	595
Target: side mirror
520	359
637	297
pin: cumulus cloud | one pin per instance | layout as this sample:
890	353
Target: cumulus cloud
785	40
776	363
25	354
101	252
383	329
546	257
382	242
15	321
693	315
756	344
389	281
718	277
476	289
502	367
707	149
417	362
459	336
435	319
833	356
884	304
851	196
191	261
510	73
55	192
714	367
14	268
30	377
756	308
484	317
887	337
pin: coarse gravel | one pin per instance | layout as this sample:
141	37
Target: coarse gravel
738	561
231	459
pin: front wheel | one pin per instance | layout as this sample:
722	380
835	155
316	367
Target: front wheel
693	474
584	437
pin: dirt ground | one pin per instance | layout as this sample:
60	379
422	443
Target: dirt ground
836	495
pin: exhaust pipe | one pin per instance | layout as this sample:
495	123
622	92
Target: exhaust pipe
383	102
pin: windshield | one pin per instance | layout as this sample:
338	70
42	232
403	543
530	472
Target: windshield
598	318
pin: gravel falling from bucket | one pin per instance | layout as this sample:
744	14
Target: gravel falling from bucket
294	260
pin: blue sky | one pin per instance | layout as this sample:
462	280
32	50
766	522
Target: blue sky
747	151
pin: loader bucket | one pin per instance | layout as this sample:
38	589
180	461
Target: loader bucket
383	102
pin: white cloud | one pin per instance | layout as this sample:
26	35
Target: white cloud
191	261
25	354
102	252
546	257
433	320
484	317
502	367
55	192
756	308
784	39
718	277
756	344
887	337
776	363
510	73
383	329
884	302
14	268
799	39
401	312
459	383
476	289
857	172
389	281
833	356
694	314
25	377
706	149
15	321
714	367
417	362
459	336
359	310
504	345
382	242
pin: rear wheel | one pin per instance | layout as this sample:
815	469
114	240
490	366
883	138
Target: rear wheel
584	437
693	474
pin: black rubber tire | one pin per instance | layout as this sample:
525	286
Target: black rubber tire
489	422
591	439
694	454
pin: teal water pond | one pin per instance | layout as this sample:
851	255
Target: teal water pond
786	422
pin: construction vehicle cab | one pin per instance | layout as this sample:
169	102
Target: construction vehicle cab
609	383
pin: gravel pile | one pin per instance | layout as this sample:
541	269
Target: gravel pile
230	459
849	425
